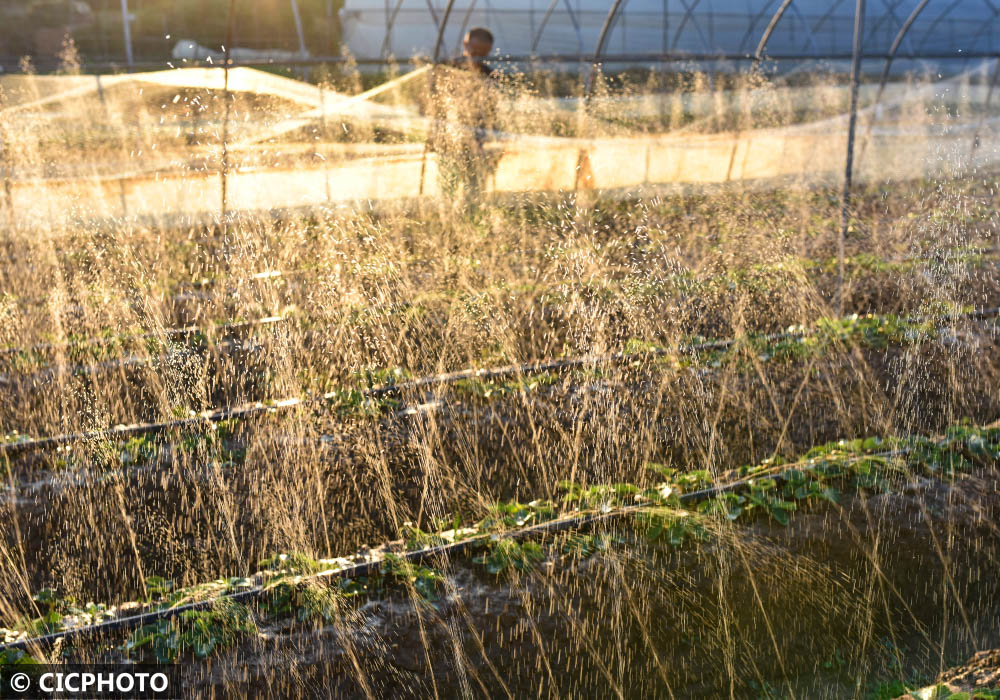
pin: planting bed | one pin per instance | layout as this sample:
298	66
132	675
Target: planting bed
418	451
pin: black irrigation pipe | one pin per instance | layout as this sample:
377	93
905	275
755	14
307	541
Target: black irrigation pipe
845	197
127	431
8	449
227	63
422	556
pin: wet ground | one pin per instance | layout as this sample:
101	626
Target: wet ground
841	599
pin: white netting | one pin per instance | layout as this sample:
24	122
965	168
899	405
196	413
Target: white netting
151	143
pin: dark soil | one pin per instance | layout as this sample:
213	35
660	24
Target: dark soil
842	596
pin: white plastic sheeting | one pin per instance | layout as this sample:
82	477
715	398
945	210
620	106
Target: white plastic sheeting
799	156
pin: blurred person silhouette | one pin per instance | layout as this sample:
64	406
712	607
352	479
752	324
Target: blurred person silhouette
464	103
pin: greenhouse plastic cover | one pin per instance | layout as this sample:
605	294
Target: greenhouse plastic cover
811	28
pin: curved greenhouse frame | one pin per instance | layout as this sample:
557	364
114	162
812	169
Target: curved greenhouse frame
644	30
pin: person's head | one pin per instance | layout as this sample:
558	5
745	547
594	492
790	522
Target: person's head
478	43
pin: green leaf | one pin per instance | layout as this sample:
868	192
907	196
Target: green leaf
781	515
765	484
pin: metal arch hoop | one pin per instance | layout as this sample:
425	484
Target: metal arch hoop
606	28
752	25
386	42
434	15
545	20
937	21
772	25
889	14
809	31
689	15
599	49
896	43
827	15
441	28
766	36
987	27
944	14
541	27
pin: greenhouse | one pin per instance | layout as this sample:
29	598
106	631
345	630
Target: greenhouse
671	29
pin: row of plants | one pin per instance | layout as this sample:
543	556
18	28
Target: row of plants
367	397
220	441
674	509
286	588
887	690
798	343
353	401
83	350
107	344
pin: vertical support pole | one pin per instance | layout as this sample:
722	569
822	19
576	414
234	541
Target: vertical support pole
322	123
437	55
845	198
329	27
303	51
127	30
896	43
986	109
298	28
225	123
105	52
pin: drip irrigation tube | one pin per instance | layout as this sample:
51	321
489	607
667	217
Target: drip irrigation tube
428	555
120	432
